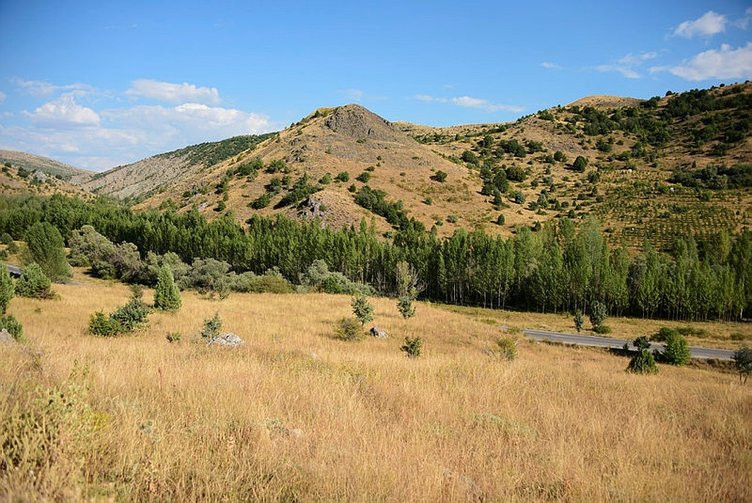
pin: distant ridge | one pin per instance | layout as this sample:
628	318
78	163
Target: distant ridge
32	162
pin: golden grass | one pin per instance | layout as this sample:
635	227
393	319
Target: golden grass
296	415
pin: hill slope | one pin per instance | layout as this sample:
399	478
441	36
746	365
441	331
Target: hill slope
148	175
639	159
31	162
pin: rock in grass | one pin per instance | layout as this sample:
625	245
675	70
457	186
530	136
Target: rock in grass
378	332
228	340
6	338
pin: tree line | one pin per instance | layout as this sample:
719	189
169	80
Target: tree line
562	267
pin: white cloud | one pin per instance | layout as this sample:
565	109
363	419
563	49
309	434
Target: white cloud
628	65
743	22
2	96
470	102
708	24
41	89
726	63
548	65
173	93
354	94
64	111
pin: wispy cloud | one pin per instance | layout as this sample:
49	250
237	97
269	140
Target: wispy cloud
2	96
548	65
41	89
629	64
470	102
172	92
743	22
710	23
354	94
723	63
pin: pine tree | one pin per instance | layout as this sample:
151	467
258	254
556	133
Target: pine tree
34	283
166	293
6	289
362	309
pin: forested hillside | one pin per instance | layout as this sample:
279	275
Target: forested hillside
562	267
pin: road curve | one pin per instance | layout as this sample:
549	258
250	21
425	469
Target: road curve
610	342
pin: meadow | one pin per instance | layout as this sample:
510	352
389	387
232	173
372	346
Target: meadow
297	415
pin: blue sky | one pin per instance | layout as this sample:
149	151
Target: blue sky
102	83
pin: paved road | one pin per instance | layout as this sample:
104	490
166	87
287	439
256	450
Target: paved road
609	342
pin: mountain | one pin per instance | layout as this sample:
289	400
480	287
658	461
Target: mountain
31	162
18	180
139	179
500	176
649	170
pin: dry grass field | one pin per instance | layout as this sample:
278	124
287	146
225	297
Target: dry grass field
295	414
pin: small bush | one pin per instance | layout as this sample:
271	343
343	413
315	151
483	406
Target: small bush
212	327
103	325
12	325
439	176
743	362
34	283
506	348
364	177
6	238
173	337
166	293
132	315
677	350
343	176
597	314
412	347
644	361
738	336
7	289
602	329
349	329
362	309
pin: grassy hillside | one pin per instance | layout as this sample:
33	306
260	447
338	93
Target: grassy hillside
31	162
142	178
501	176
295	414
18	180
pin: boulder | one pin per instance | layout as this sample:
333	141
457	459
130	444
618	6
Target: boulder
378	332
229	340
6	338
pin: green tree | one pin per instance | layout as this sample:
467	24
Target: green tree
362	309
580	163
412	347
34	283
166	293
743	362
677	350
407	291
7	289
212	327
644	361
44	245
10	323
597	314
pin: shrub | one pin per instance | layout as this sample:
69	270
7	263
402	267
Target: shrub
743	362
362	309
597	314
132	315
579	322
173	337
270	282
262	201
405	306
364	177
166	293
644	361
506	348
12	325
44	245
580	164
104	325
34	283
209	277
319	278
212	327
7	289
439	176
349	329
6	238
412	347
677	350
602	329
663	334
343	176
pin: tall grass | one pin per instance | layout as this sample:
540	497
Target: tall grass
296	414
